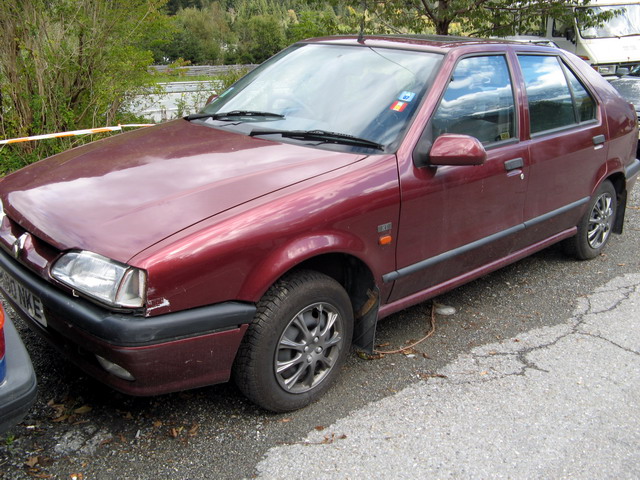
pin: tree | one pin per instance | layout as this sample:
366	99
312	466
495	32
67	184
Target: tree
201	35
259	37
314	23
248	31
478	17
173	6
71	64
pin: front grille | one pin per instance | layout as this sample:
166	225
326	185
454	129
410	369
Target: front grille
35	254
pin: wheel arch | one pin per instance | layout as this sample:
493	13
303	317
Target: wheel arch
347	268
358	281
349	271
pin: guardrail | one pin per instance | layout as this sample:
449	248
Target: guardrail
210	70
176	99
195	86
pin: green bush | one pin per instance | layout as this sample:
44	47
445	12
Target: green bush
68	65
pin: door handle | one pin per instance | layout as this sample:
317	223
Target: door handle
513	164
599	139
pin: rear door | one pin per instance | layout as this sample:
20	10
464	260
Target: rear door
567	148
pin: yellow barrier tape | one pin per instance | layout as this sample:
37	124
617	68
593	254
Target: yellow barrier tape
74	133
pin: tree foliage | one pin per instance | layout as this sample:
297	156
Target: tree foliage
200	35
70	64
249	31
479	17
256	29
319	23
259	37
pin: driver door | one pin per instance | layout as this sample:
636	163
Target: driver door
457	219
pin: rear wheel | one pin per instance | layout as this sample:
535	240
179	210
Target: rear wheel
295	347
596	225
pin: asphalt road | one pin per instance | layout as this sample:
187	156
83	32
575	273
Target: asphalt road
554	402
79	428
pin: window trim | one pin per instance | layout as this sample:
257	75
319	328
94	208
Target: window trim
567	70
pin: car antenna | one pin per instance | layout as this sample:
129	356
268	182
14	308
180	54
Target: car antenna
364	13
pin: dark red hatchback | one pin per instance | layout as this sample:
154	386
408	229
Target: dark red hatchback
339	182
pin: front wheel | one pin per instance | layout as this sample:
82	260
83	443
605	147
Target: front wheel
297	343
596	225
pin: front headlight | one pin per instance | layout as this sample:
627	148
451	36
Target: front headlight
106	280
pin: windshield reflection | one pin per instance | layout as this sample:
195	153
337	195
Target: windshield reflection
624	24
369	93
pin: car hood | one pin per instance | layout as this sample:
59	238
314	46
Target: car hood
629	88
612	50
121	195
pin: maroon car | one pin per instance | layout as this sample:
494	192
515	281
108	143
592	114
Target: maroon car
339	182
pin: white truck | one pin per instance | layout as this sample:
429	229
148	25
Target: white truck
612	48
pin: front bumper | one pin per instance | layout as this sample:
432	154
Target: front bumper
166	353
18	390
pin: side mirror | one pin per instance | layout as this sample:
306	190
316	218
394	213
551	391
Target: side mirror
570	34
622	71
456	149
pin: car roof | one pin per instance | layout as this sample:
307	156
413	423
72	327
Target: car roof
432	43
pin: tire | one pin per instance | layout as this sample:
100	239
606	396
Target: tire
296	346
596	225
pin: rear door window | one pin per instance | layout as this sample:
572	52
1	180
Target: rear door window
556	97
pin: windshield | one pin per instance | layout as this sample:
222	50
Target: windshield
359	91
624	24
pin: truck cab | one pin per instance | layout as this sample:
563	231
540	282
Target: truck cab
611	47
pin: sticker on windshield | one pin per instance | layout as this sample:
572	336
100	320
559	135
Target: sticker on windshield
406	96
399	106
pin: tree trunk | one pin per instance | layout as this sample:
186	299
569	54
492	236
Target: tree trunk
442	27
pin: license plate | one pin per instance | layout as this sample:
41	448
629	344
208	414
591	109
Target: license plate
27	301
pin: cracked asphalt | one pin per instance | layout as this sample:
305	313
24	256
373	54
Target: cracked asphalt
554	402
536	375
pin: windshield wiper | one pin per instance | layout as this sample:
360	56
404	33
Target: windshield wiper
321	136
233	113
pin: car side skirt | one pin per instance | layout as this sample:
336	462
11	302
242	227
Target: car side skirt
436	290
429	262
